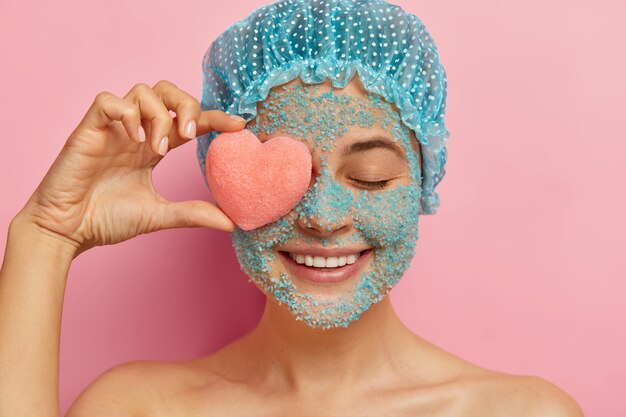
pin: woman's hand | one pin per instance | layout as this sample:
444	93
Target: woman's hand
99	190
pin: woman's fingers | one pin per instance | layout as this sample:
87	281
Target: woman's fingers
208	121
218	120
144	112
155	114
107	107
193	213
187	110
190	121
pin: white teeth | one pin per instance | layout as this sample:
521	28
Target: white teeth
319	262
332	262
324	262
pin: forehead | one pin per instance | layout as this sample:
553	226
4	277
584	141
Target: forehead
354	88
322	113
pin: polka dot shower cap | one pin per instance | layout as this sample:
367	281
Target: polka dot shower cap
390	49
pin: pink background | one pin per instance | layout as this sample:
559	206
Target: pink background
522	269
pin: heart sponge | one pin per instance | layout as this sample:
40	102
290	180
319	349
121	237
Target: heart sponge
254	182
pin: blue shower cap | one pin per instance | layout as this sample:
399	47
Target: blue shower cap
390	49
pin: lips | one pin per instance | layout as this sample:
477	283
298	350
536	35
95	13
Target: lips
333	274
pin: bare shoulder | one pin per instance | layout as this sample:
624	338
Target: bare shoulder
499	394
547	399
125	390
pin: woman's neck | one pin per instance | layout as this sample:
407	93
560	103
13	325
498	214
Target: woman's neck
307	359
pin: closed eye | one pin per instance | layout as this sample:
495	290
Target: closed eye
370	184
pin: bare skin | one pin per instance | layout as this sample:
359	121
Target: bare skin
376	366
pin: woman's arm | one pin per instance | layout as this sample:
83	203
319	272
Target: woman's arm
32	287
98	191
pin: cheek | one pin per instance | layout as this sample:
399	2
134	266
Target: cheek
388	218
254	248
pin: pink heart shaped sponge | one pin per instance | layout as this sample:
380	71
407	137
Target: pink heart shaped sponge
254	182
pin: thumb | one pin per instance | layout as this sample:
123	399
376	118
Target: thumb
194	213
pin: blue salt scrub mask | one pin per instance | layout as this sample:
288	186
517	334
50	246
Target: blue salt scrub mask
382	216
397	61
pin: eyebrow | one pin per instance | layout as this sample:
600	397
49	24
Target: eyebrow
372	143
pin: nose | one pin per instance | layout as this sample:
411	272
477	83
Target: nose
326	208
321	227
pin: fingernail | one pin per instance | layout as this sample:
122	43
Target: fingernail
142	134
163	146
237	118
190	129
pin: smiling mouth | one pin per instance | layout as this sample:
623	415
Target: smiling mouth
325	269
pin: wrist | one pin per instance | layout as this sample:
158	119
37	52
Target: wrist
25	227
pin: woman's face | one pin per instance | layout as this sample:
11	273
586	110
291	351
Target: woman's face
352	235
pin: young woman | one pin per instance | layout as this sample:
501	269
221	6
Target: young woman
329	341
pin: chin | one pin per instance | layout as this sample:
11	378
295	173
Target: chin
325	296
